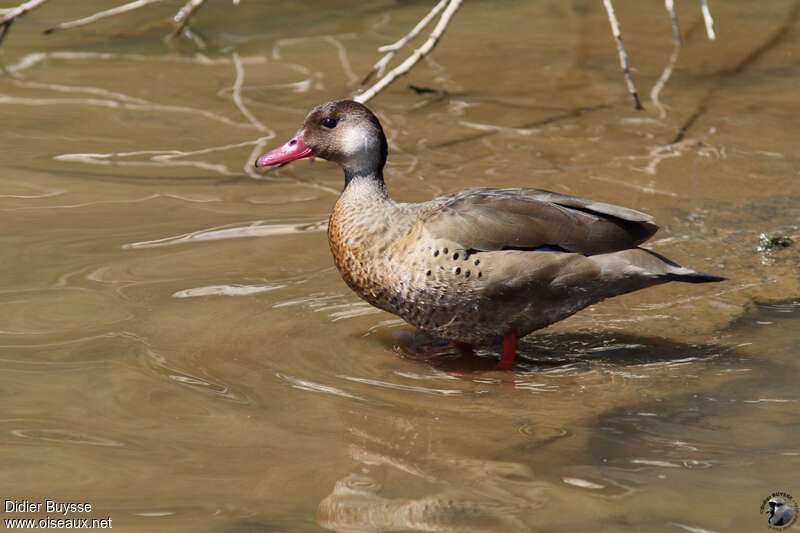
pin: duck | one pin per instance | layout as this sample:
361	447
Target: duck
478	267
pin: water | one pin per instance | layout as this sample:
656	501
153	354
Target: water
178	351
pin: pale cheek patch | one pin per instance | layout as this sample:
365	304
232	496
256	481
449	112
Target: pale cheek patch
355	140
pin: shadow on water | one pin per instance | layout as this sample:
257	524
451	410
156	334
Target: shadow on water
553	351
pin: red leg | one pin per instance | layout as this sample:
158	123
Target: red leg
509	351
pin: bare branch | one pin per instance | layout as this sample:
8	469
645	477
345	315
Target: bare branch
708	20
130	6
14	12
183	15
392	49
673	18
4	30
415	57
623	56
195	38
10	15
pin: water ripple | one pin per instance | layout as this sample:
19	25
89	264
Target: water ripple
312	386
769	400
63	436
692	529
206	385
338	306
57	310
399	386
256	229
19	195
225	290
582	483
655	462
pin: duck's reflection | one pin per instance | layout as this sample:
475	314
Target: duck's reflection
507	461
572	351
460	493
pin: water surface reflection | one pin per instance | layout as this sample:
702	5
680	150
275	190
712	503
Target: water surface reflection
177	348
492	455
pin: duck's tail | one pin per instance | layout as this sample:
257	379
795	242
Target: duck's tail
691	277
637	268
675	272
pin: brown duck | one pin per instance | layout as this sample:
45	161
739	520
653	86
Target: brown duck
480	265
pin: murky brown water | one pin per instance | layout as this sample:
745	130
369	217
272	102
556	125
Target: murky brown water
177	349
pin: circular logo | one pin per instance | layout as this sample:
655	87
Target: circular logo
780	509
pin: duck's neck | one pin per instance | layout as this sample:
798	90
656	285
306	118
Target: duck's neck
363	212
361	227
367	183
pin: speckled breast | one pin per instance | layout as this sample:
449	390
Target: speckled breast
360	262
423	284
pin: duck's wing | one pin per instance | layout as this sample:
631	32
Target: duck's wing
528	219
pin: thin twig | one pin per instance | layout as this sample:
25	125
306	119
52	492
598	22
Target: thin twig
130	6
673	58
10	16
415	57
4	30
393	48
673	18
623	56
195	38
183	15
708	20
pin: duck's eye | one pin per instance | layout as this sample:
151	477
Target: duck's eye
329	122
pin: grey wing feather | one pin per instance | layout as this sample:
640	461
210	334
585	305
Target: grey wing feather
496	219
603	208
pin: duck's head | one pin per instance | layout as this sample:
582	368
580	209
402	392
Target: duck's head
344	132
